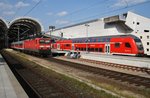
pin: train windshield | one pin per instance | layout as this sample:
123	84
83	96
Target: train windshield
139	44
44	41
47	41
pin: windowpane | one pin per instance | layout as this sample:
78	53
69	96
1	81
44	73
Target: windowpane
100	50
127	45
117	45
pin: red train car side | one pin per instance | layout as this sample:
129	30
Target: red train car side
121	44
40	46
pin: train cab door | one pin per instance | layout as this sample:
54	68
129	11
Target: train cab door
58	46
72	46
107	48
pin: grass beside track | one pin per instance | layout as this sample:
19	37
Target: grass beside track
70	83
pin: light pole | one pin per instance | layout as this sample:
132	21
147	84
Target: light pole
87	37
51	28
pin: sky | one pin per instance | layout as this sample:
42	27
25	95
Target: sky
61	13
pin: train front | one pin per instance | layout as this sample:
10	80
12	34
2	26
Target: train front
139	47
44	46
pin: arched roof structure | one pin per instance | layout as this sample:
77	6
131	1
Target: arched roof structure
3	31
24	28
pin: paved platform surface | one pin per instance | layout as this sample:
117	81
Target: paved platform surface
126	60
9	86
58	51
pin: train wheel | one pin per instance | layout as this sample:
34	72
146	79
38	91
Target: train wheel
44	55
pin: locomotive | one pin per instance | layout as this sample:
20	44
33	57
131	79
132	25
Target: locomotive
39	46
117	44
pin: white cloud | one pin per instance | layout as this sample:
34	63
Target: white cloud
49	13
7	13
21	4
35	0
123	3
63	13
4	6
60	22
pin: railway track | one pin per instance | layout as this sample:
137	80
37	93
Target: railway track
123	77
45	88
122	66
36	85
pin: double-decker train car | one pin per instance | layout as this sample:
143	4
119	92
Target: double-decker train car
36	46
118	44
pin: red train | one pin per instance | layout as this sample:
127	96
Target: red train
119	44
35	46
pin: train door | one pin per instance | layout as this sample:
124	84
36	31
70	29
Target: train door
107	48
58	46
72	46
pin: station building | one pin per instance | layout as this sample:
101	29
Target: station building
123	24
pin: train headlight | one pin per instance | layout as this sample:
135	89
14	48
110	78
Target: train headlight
41	46
48	46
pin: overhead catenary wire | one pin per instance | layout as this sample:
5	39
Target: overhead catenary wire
85	8
33	7
88	7
17	11
126	3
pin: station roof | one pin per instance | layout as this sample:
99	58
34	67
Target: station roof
24	28
3	27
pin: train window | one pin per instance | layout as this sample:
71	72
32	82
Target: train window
84	49
92	49
137	40
103	39
53	41
147	43
67	45
96	49
47	41
100	50
146	30
99	39
107	39
140	37
147	37
127	45
147	49
42	41
117	45
89	49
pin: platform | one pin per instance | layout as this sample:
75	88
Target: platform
58	51
9	86
126	60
